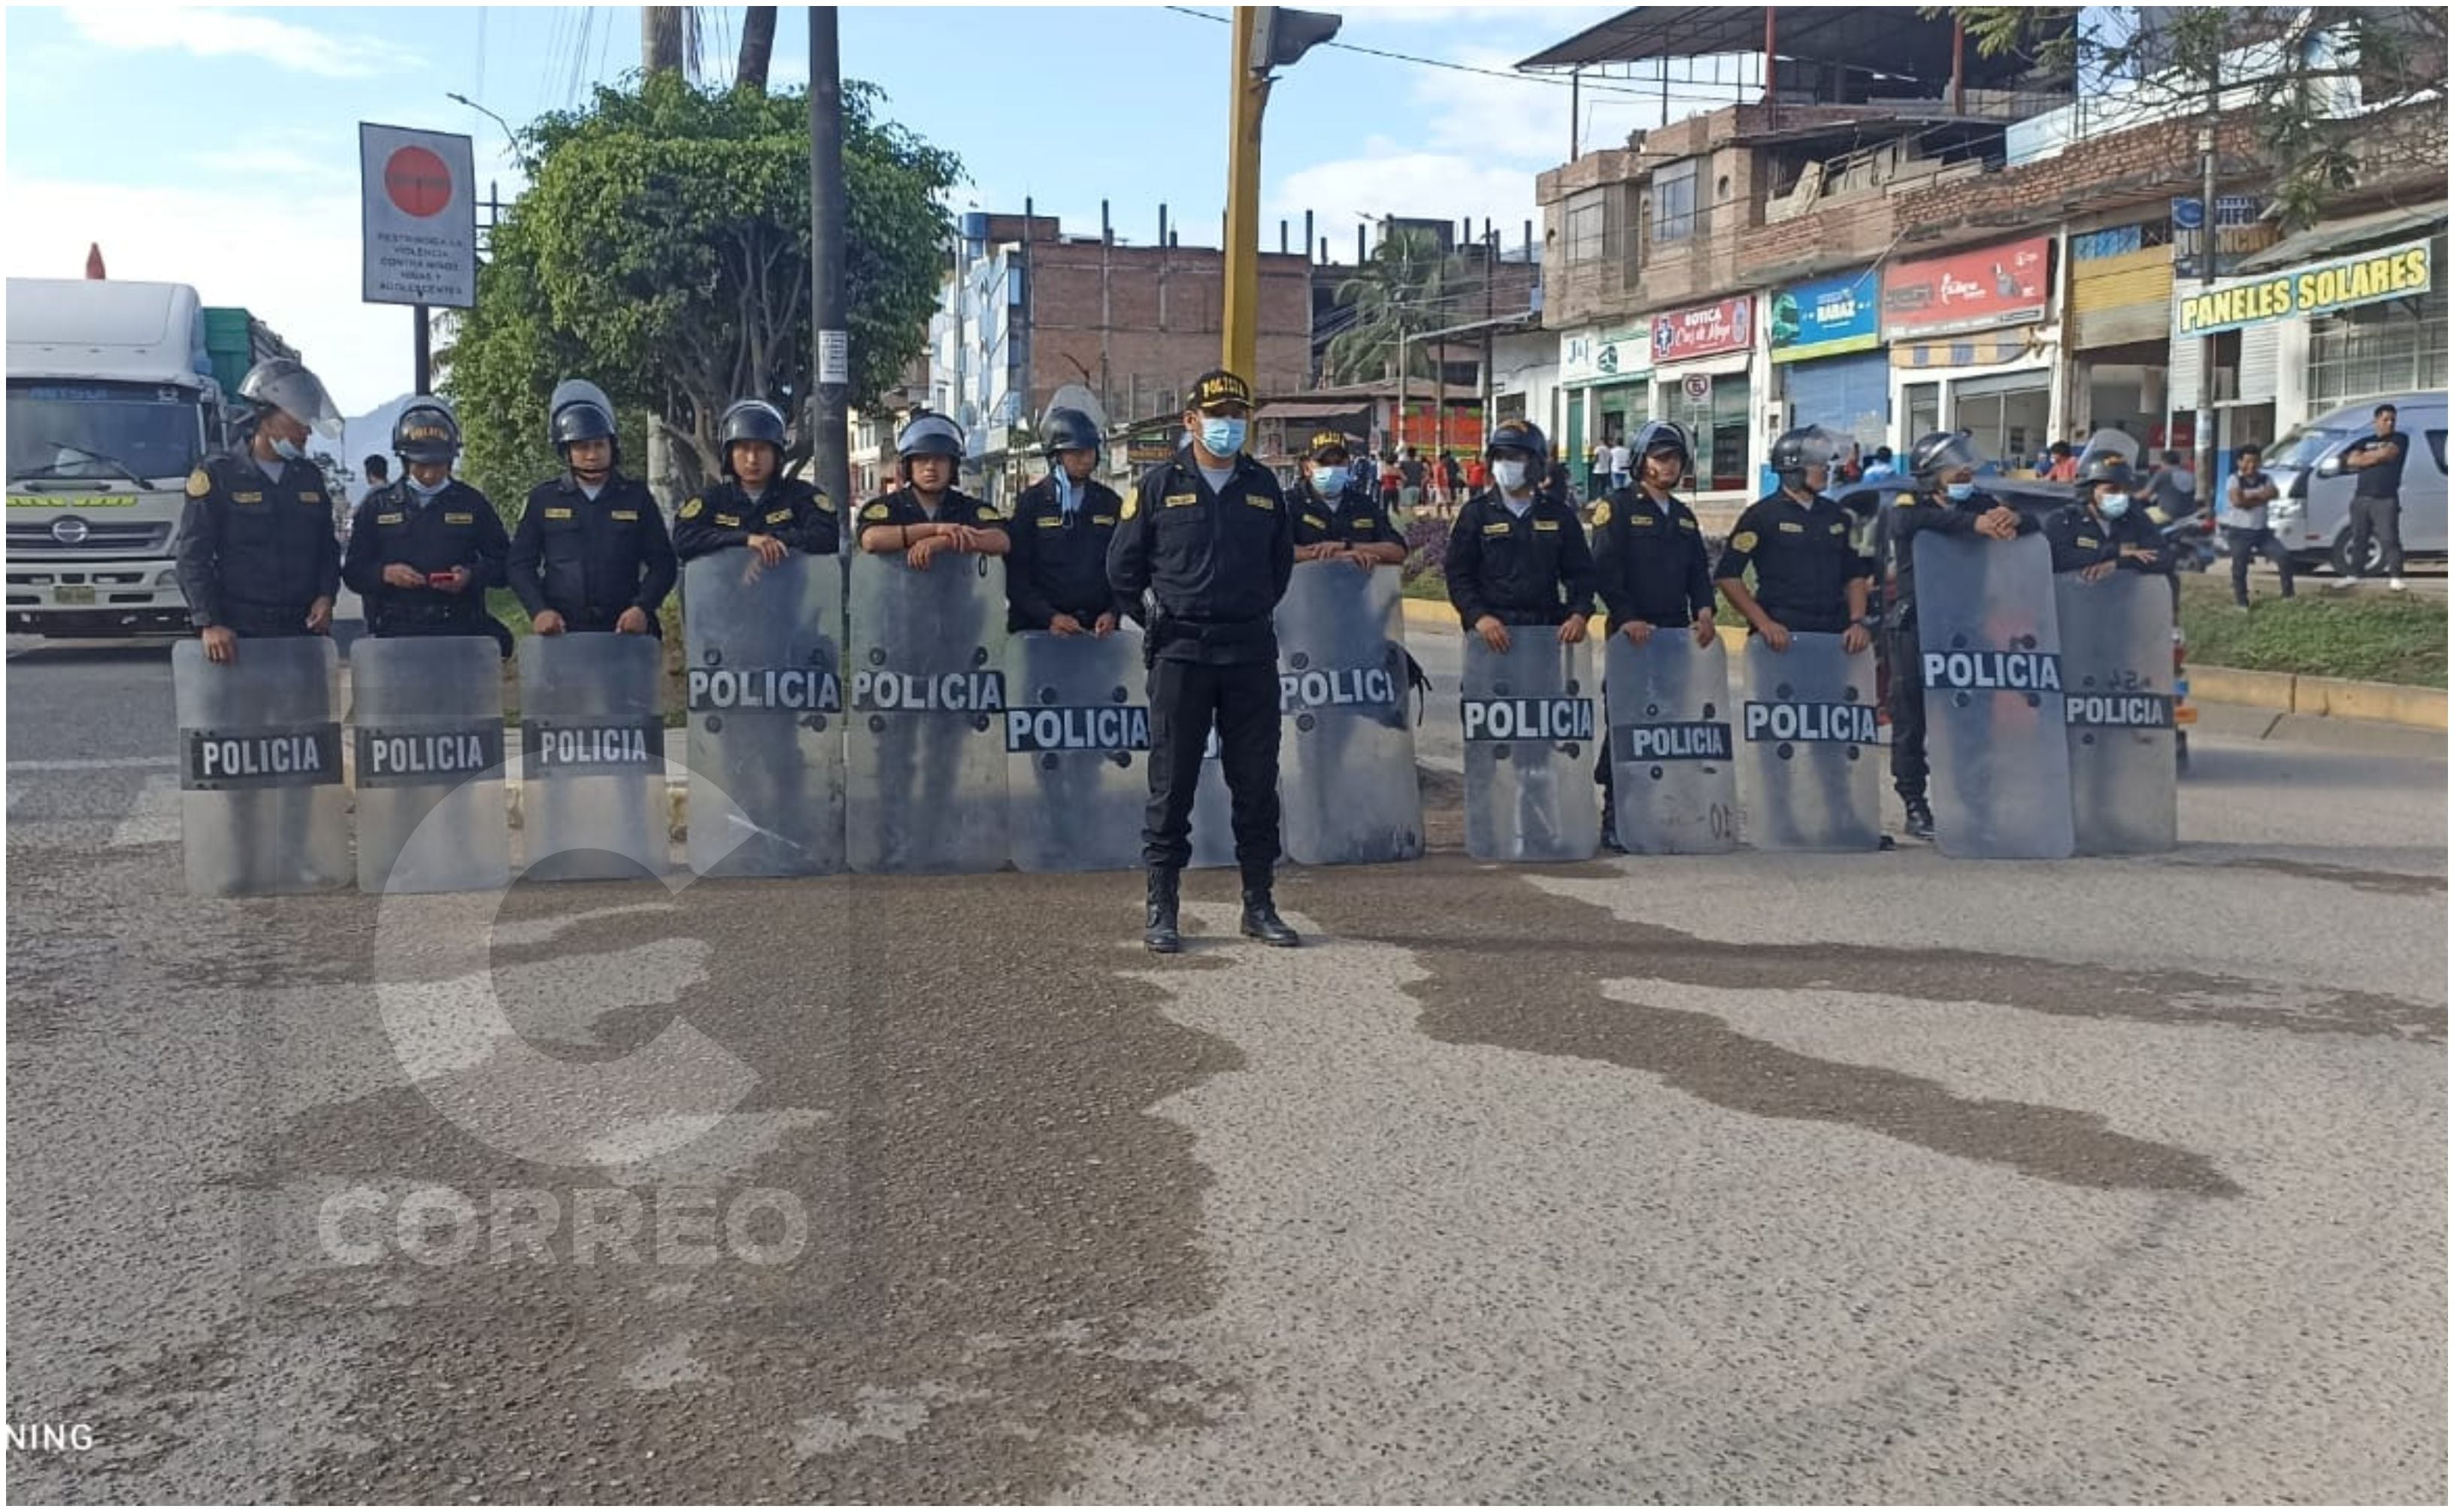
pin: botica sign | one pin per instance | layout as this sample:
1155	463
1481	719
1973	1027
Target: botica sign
2361	279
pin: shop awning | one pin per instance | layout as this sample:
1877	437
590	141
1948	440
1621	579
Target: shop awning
1312	409
2337	236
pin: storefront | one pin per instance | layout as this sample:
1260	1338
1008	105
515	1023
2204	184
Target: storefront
1604	392
2303	336
2117	304
1823	342
1970	350
1703	362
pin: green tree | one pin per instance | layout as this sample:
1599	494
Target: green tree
2307	77
663	251
1407	287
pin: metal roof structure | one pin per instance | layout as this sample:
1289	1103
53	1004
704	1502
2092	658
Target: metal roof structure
1903	44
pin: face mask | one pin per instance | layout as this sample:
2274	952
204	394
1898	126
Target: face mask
423	491
1222	435
1509	475
287	450
2113	506
1330	481
1961	493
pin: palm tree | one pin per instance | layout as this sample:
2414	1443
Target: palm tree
1407	287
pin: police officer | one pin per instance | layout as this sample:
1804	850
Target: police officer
1810	576
591	553
753	506
2104	529
1208	536
1337	514
1650	564
257	552
928	514
1516	552
1943	466
1056	571
424	549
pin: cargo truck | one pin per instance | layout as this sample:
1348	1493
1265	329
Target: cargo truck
116	390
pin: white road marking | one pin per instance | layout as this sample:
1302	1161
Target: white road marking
153	818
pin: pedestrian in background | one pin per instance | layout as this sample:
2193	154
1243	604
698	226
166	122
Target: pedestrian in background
2377	497
1410	481
2062	466
2246	495
1619	476
377	473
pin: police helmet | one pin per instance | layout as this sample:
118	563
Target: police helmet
1941	451
1518	435
748	420
2104	467
1808	445
930	434
1068	431
426	432
283	384
580	411
1662	435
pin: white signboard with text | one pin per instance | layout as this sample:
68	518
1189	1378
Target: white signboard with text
420	217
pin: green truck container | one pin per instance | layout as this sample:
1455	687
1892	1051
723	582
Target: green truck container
237	341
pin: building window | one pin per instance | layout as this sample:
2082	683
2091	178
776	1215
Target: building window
2377	349
1922	403
1674	202
1588	228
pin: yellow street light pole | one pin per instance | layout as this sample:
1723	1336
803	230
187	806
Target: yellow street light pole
1263	38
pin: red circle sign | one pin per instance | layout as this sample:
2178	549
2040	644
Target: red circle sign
417	181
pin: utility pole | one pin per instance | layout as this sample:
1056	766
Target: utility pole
829	455
2203	452
422	339
1263	38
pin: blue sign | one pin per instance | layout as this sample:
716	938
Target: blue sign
1825	317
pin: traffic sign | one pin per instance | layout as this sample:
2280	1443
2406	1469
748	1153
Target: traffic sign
419	191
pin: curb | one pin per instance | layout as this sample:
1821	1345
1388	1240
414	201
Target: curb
2283	691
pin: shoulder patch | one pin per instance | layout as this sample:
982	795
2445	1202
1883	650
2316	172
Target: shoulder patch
824	502
1904	501
1744	542
691	510
876	512
1131	505
1602	512
199	483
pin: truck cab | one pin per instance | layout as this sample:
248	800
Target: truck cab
113	402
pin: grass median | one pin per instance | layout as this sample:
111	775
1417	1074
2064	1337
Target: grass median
2367	634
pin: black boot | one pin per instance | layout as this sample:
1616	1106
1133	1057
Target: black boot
1261	920
1158	926
1920	819
1610	830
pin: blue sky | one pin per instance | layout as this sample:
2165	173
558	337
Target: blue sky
217	146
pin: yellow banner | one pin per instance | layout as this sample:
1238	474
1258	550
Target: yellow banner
2389	273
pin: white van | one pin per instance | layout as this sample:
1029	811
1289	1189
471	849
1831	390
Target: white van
2312	515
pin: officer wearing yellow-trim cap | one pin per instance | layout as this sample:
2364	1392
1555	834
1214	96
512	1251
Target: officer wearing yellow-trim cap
1337	514
1208	534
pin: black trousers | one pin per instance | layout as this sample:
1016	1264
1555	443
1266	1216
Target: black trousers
1909	710
1185	698
2248	544
2382	518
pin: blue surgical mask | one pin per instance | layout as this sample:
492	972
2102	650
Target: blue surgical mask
422	491
1960	492
1330	481
287	450
2113	506
1222	435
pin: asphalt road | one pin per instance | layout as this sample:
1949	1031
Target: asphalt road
1738	1178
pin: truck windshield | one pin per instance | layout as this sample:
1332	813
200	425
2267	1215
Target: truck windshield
66	431
2304	446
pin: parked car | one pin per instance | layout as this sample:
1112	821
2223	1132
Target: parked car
2312	513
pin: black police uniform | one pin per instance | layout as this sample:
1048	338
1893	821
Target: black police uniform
903	506
1804	561
1531	570
457	528
1649	561
2080	538
590	559
256	552
1216	565
791	510
1356	517
1910	516
1057	564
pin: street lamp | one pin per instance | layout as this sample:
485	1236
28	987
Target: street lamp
1265	37
511	138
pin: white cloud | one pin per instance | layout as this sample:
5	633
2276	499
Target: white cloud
214	33
291	259
1389	181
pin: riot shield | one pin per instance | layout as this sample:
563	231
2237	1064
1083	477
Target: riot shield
764	685
1809	781
1077	741
1528	713
261	807
1673	770
925	760
593	767
426	716
2118	708
1347	790
1990	659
